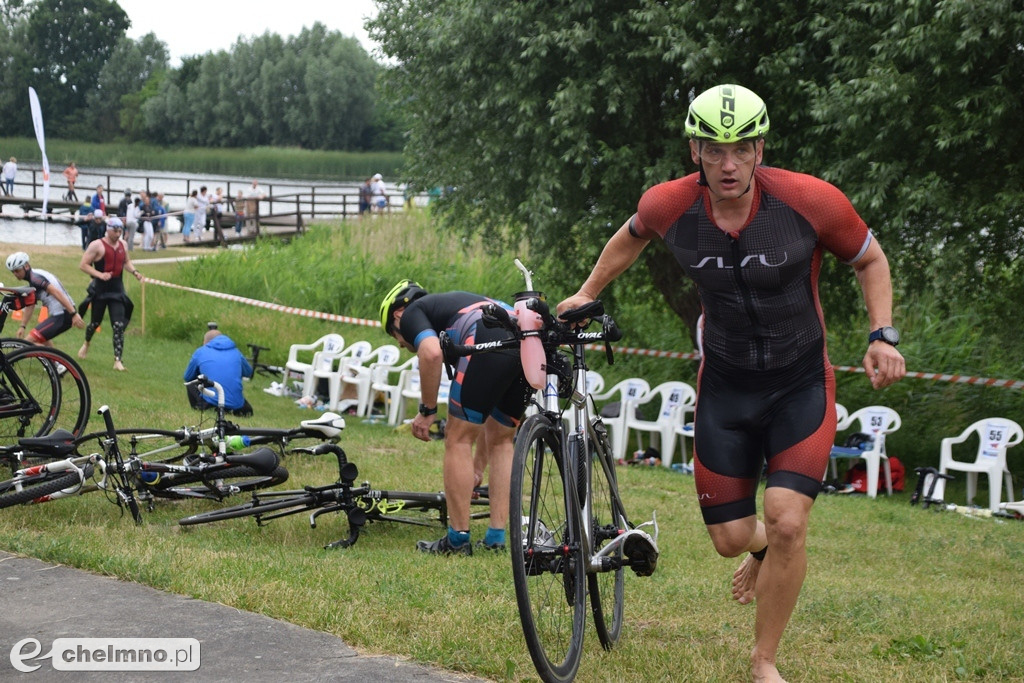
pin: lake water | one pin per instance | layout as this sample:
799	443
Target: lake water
332	197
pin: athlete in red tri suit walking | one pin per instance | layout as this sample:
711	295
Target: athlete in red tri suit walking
752	238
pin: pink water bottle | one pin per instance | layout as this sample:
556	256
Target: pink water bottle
531	350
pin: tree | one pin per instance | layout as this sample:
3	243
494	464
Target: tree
557	116
65	44
130	66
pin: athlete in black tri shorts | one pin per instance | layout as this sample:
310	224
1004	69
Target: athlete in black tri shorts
488	395
752	239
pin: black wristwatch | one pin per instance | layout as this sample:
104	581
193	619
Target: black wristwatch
427	412
890	335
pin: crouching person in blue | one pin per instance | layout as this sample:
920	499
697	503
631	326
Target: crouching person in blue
220	360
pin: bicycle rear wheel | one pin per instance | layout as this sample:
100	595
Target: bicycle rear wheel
150	445
39	487
301	502
547	564
607	516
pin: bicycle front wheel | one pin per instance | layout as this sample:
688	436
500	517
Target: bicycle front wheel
39	487
607	516
548	567
254	508
54	384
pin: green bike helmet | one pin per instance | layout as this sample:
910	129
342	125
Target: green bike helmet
727	113
402	294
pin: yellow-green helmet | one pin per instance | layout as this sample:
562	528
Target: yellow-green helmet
727	113
402	294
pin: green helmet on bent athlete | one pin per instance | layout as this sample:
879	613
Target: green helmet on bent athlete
726	114
399	296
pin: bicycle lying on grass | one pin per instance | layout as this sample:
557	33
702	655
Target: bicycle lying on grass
570	534
360	504
160	445
924	494
214	476
41	388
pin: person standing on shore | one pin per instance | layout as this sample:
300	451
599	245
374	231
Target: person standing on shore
105	261
252	206
98	202
10	170
84	219
380	193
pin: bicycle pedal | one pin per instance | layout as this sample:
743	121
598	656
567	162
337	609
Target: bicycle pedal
642	552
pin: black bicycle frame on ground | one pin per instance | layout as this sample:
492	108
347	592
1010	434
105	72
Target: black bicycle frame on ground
360	504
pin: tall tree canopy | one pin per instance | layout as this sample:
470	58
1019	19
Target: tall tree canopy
557	116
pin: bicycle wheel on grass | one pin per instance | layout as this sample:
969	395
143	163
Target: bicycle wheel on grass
547	564
606	588
56	384
300	502
241	477
39	487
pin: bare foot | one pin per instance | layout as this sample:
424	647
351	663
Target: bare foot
762	671
118	365
83	351
744	579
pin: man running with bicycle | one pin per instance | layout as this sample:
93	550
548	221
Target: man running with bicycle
489	395
50	293
751	238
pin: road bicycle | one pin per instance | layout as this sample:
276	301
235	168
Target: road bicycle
360	504
924	494
570	535
74	475
274	371
169	446
41	388
211	476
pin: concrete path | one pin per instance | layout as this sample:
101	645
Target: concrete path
45	602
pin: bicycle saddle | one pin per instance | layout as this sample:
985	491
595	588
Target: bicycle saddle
328	424
59	442
261	459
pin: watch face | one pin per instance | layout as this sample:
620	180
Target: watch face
890	335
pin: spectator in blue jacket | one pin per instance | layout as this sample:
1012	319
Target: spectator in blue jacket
219	360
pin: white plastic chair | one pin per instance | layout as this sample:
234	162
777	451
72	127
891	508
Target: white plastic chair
676	401
684	429
995	435
330	343
331	367
407	385
627	390
877	422
362	375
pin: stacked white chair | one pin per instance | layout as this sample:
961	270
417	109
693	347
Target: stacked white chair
995	436
876	422
374	365
295	366
332	366
674	401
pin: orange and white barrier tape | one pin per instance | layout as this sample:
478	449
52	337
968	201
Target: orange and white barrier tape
629	351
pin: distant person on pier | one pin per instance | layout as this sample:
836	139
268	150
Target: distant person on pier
84	219
239	213
189	217
131	223
380	193
71	175
97	226
146	220
50	293
365	196
216	212
252	205
10	170
98	202
122	206
156	202
106	260
202	219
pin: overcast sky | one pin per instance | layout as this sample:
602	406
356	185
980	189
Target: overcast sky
195	27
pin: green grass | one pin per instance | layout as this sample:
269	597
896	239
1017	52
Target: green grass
893	593
265	162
